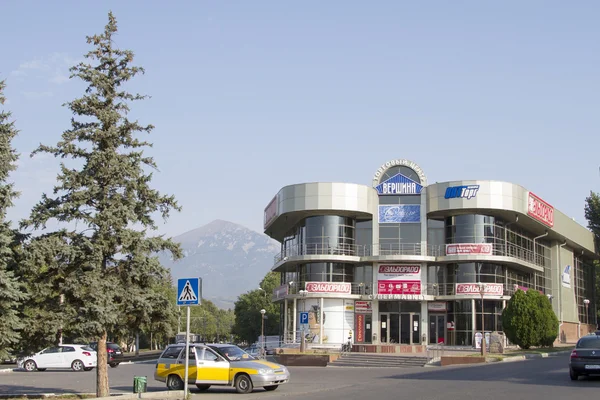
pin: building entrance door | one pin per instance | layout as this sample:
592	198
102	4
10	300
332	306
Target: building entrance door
409	328
390	327
400	328
437	329
384	328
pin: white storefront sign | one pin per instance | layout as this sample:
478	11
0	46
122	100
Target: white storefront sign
437	306
399	297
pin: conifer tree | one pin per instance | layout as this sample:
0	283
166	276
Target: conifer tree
105	198
11	291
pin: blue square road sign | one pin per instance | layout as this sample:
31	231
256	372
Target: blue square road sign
189	291
304	318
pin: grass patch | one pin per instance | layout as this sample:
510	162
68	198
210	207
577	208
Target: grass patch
538	350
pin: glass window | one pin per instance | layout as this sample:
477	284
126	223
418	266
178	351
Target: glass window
389	306
393	171
51	350
67	349
590	342
410	233
364	233
172	352
209	355
435	232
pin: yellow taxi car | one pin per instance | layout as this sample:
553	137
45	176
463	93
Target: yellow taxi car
218	364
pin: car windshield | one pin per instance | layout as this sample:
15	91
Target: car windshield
87	348
589	343
233	353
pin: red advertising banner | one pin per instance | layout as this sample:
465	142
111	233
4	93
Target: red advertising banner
364	307
329	287
360	328
399	287
468	248
399	279
540	210
492	289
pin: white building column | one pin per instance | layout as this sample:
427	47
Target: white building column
285	321
473	320
295	316
321	302
424	323
376	324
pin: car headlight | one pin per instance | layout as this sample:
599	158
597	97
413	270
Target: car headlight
265	371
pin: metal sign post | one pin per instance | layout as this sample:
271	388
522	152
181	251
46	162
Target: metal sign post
189	293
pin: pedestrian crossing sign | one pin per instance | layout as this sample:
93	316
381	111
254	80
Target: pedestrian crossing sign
189	291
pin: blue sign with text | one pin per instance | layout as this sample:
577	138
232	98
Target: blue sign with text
464	192
399	185
188	292
400	214
304	318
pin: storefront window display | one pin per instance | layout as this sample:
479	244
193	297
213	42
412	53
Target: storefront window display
333	323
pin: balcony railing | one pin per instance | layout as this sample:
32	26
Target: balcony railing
318	249
355	288
449	289
407	249
504	249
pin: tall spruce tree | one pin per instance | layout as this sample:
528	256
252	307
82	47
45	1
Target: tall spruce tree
592	214
11	291
105	198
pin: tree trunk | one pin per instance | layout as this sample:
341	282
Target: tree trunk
102	388
137	344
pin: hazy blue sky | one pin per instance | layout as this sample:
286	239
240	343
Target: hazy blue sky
250	96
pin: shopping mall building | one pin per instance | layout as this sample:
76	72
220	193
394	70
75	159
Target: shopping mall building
403	264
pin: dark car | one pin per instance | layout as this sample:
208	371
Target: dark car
585	358
113	352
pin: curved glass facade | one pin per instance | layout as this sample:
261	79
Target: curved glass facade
461	313
326	272
513	242
446	277
321	234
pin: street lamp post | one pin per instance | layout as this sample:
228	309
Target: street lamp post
587	316
262	328
482	287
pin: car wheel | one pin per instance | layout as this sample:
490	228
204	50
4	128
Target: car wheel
202	388
271	388
41	369
574	375
114	365
243	384
77	366
174	383
29	365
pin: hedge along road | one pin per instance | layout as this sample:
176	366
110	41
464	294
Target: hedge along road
540	378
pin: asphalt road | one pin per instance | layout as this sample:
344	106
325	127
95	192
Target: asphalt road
545	379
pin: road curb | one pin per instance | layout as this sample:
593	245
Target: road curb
533	356
7	370
170	394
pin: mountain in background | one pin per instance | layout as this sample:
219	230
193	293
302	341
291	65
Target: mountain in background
230	259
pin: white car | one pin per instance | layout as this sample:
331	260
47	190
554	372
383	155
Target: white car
78	357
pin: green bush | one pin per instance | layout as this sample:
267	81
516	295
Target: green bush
528	320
